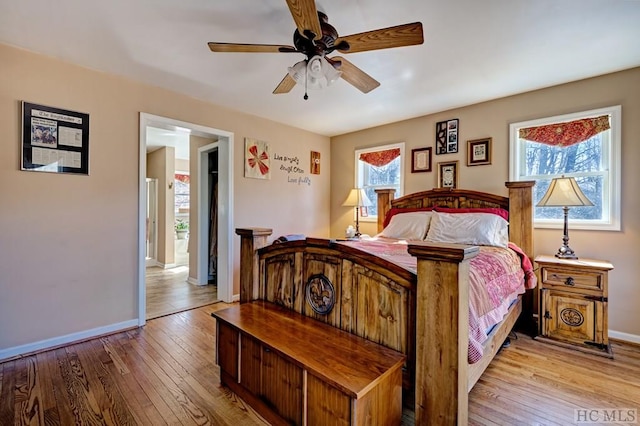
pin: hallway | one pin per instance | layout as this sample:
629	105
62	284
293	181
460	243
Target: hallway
169	292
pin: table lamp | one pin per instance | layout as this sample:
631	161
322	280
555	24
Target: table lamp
358	198
564	192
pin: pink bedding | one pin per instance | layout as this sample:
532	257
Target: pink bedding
497	276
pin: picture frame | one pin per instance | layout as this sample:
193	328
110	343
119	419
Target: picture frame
448	174
421	160
54	140
447	136
479	152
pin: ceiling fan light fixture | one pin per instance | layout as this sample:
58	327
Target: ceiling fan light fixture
330	73
299	72
317	72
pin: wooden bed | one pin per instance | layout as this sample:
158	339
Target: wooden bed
389	305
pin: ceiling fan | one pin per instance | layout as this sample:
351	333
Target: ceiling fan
316	38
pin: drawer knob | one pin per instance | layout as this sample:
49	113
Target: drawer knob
569	281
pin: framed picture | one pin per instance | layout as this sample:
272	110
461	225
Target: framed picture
448	174
54	140
421	160
315	163
479	152
447	136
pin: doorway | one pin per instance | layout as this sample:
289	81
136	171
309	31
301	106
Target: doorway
200	231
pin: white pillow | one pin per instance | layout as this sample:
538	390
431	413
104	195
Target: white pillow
483	229
408	226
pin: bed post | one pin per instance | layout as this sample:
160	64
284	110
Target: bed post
251	240
384	204
442	322
521	214
521	233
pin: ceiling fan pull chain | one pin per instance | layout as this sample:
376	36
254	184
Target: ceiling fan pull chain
306	78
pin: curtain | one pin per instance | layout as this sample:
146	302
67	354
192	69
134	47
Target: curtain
380	158
566	134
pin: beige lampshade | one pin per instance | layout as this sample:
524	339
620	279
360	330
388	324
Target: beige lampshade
564	192
357	197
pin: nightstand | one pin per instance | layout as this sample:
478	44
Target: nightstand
573	303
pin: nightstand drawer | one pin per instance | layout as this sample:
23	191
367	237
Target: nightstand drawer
568	279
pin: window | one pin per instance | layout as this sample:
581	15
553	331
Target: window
379	167
584	145
181	192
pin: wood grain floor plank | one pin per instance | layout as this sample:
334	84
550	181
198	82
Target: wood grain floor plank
83	402
183	375
29	410
110	400
159	394
7	394
197	375
176	392
136	396
63	413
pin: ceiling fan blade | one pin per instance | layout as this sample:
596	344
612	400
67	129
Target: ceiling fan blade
383	38
251	48
305	15
285	85
355	76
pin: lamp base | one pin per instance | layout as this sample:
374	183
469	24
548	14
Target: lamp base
566	252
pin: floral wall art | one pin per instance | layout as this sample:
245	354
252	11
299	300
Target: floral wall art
257	161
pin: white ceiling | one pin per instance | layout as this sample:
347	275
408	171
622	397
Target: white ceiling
158	138
474	50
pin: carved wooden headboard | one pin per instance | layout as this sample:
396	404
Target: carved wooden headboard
518	203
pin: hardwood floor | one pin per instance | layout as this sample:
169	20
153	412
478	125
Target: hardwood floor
165	373
169	292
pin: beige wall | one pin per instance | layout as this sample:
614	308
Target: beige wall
69	243
492	119
160	165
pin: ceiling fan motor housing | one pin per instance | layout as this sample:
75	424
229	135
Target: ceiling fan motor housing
324	45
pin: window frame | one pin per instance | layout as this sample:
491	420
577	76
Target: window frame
373	215
611	159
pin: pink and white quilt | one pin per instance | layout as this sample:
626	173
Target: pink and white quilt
497	276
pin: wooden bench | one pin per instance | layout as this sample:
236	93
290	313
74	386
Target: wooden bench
293	369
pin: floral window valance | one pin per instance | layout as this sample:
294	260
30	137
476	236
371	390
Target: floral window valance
182	177
380	158
566	134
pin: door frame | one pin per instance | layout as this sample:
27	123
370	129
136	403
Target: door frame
224	145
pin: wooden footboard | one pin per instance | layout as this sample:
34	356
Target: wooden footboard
424	316
350	289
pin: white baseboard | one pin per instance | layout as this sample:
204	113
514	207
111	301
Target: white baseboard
65	340
194	281
618	335
166	265
236	298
